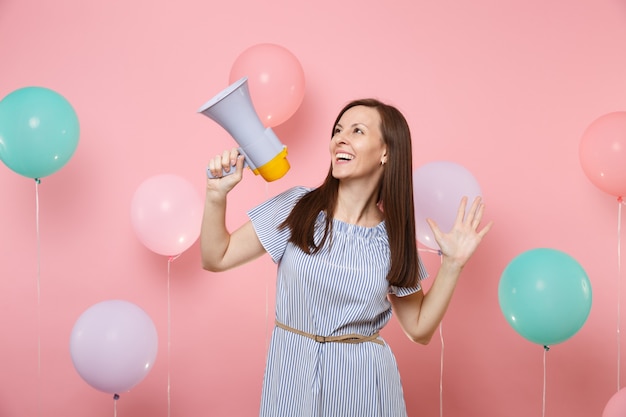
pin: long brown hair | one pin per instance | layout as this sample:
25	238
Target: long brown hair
395	196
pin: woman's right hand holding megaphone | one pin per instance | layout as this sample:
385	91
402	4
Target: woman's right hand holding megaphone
220	248
226	171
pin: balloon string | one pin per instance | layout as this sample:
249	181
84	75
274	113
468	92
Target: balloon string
169	333
39	402
115	398
543	406
438	252
619	290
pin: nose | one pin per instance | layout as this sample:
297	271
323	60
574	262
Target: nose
339	138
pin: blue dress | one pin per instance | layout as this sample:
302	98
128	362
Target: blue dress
342	289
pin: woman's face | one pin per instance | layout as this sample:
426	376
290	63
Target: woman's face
357	148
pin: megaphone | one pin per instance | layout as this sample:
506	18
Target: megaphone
233	110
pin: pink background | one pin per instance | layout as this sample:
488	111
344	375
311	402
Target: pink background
505	88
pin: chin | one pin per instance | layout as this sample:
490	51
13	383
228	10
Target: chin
336	175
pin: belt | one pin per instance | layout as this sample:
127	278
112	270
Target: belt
344	338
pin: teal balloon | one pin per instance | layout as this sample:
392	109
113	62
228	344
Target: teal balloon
39	131
545	295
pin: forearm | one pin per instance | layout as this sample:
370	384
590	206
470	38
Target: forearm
214	236
436	301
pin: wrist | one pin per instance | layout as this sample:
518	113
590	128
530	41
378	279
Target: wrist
451	265
214	194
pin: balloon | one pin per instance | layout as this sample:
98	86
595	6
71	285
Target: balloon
166	214
602	153
616	407
545	295
39	131
438	188
275	80
113	345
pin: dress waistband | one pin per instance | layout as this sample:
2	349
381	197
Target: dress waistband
345	338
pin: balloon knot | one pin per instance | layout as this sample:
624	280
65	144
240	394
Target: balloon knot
547	348
620	199
38	180
439	252
116	397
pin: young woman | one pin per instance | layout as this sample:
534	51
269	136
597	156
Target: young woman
347	257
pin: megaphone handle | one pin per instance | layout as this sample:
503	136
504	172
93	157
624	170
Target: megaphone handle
224	172
246	163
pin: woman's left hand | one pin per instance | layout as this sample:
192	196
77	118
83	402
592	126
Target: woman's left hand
459	244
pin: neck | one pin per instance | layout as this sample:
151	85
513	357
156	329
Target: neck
357	206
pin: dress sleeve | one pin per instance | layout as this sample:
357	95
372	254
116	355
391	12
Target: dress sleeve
267	216
404	291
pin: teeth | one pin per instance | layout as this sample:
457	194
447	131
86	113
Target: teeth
345	156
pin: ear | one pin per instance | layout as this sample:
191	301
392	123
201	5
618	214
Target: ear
383	158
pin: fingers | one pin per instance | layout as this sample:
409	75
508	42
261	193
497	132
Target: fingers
485	229
460	214
475	216
221	164
215	166
233	155
475	213
433	226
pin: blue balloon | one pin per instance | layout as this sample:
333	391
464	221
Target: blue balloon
39	131
545	295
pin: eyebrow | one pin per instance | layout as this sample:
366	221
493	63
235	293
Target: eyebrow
353	124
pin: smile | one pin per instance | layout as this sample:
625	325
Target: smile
344	157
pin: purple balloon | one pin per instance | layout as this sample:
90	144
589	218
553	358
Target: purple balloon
438	188
113	345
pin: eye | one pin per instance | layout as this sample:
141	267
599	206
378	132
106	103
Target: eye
336	130
358	130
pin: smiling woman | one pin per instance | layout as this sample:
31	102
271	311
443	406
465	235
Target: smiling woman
504	88
358	147
346	253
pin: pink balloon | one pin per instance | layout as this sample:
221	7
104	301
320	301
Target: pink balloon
113	345
616	407
602	153
275	80
438	188
166	214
